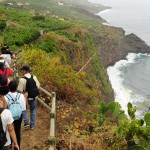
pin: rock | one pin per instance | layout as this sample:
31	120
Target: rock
113	50
38	146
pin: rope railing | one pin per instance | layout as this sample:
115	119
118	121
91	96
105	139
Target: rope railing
52	134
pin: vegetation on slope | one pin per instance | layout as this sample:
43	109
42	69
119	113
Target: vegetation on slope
57	48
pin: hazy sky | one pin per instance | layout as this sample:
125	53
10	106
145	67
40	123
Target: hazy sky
142	4
132	15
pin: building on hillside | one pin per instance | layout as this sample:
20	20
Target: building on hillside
19	4
61	19
11	4
26	3
23	4
60	3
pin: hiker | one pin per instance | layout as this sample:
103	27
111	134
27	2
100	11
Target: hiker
3	60
29	85
4	47
6	52
6	121
19	99
4	78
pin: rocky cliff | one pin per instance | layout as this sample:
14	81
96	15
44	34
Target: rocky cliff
112	49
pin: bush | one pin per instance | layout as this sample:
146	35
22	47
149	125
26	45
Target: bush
68	35
2	24
52	24
20	37
56	77
38	17
47	45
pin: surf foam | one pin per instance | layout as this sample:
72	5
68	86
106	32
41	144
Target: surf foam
124	94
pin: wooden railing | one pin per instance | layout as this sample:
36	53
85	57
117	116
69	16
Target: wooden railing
52	134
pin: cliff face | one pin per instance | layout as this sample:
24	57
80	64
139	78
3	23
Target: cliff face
113	50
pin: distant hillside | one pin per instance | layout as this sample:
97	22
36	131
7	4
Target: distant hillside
54	35
68	48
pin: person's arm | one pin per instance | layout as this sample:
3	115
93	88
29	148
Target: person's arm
26	97
10	71
37	82
6	64
13	135
5	105
20	87
13	56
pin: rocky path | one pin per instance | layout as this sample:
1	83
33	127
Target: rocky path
35	139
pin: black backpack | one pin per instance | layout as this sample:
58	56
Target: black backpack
3	79
31	87
3	138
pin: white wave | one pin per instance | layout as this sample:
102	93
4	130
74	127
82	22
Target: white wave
123	94
103	12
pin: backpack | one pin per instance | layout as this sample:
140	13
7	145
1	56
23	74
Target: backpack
3	138
31	87
14	106
3	79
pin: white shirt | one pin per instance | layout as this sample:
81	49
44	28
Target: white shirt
22	82
21	99
6	118
5	63
7	57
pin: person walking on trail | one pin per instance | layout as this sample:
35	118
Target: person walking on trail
3	60
7	124
4	78
5	51
29	85
19	99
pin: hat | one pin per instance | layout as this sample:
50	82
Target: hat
26	68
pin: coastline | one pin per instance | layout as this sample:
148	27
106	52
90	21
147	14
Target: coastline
117	50
124	92
131	48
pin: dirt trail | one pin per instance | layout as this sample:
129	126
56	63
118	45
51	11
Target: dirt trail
35	139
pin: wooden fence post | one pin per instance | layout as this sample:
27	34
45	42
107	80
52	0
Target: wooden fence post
52	135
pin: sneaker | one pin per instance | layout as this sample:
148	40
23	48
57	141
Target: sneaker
32	128
26	125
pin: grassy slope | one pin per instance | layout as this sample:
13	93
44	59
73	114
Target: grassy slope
70	45
75	27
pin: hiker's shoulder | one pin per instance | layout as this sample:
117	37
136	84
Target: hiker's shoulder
6	113
28	75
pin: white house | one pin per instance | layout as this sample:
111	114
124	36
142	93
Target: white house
60	3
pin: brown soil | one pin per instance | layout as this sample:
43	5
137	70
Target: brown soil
35	139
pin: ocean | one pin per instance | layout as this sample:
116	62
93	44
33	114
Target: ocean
130	78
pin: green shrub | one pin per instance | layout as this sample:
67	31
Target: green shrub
47	45
57	77
52	24
38	17
134	131
68	35
21	36
2	24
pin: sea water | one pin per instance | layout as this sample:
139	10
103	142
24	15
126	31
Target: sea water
130	78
